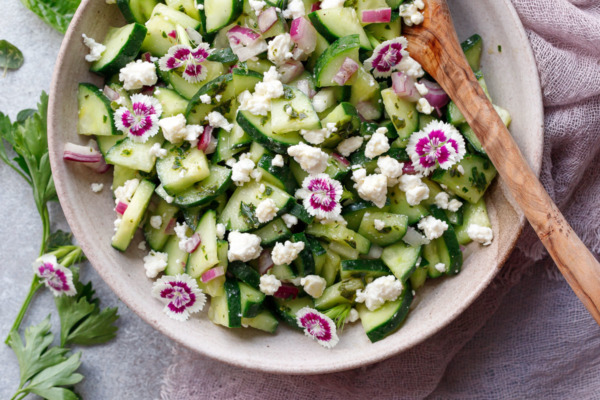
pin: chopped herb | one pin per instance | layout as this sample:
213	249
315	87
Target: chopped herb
499	49
10	56
478	180
268	191
247	211
223	56
288	93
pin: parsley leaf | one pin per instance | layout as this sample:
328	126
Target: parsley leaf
58	239
81	319
44	369
10	56
56	13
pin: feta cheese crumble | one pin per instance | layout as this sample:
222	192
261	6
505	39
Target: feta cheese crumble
138	74
379	225
217	120
314	285
441	200
97	187
257	5
280	49
124	193
96	49
154	263
289	220
416	191
440	267
391	168
295	9
324	99
410	12
353	316
220	231
311	159
350	145
277	161
266	210
205	99
259	102
243	246
424	107
325	4
378	144
241	170
432	227
269	284
156	221
382	289
157	151
181	232
371	188
454	205
422	89
285	253
174	128
480	234
460	169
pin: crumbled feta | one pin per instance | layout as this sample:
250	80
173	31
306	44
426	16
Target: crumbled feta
157	151
205	99
454	205
391	168
257	5
117	223
422	89
353	315
266	210
269	284
413	237
325	4
416	191
410	67
218	97
350	145
142	245
124	193
289	220
198	6
371	188
295	9
382	289
480	234
181	232
441	267
262	188
277	161
280	49
311	159
217	120
441	200
285	253
96	49
174	128
378	144
424	107
432	227
169	199
241	170
379	225
138	74
314	285
315	136
410	12
259	103
156	221
243	246
460	170
324	99
154	263
256	175
220	231
230	162
97	187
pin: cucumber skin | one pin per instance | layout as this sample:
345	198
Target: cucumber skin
341	45
245	273
234	305
93	88
393	324
130	50
257	135
456	256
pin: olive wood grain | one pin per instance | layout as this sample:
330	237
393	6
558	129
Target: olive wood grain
434	44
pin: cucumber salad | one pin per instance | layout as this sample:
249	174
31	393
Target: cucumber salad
287	160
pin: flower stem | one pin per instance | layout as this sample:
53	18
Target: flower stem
35	285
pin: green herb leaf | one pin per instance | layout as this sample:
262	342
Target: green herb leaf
10	56
81	319
223	56
56	13
44	370
58	239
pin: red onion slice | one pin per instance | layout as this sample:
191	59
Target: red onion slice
348	68
265	262
286	291
205	138
170	228
404	86
290	71
316	6
192	243
111	94
342	160
408	169
147	57
245	43
379	15
266	19
368	111
305	87
436	96
82	154
304	35
121	208
213	273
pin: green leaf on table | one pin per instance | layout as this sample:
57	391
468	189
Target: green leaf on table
58	239
81	319
56	13
44	369
10	56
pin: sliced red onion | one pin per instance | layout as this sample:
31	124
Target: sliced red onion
304	35
377	16
213	273
245	43
286	291
111	94
192	243
348	68
404	86
436	95
147	57
412	237
170	228
266	19
367	111
148	90
342	160
205	139
316	6
305	87
290	71
82	154
121	208
172	34
265	262
408	169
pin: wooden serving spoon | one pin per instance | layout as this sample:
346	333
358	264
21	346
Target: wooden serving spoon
434	44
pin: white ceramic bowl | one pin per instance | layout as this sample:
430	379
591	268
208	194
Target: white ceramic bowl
513	81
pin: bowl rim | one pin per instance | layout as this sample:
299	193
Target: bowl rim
119	288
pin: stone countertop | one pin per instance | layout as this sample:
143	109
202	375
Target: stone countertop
132	365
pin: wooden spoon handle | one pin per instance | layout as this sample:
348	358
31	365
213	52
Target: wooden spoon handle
438	50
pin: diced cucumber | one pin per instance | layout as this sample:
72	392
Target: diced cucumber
344	250
298	211
471	186
220	13
216	286
161	25
264	321
329	63
245	80
338	233
354	213
293	112
189	89
239	213
449	249
122	46
157	237
181	168
244	273
279	176
470	135
431	253
331	266
399	205
425	120
418	277
251	300
385	31
122	175
287	309
394	227
136	10
401	259
230	143
221	86
472	214
205	256
282	272
386	319
403	114
202	192
366	89
105	143
311	257
95	116
133	215
257	151
226	310
473	47
453	114
346	120
172	103
363	269
335	23
342	292
187	6
274	231
177	258
131	154
364	5
259	129
322	45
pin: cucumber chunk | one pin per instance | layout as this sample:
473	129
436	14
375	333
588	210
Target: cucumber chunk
275	231
331	60
134	155
335	23
259	129
205	256
364	269
95	116
136	10
181	168
221	86
157	237
340	234
122	46
264	321
287	309
449	249
177	258
472	214
244	273
251	300
394	227
342	292
473	47
220	13
293	112
172	103
403	114
203	192
133	215
471	186
159	37
401	259
230	143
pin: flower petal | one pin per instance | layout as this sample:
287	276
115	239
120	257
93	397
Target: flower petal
318	326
